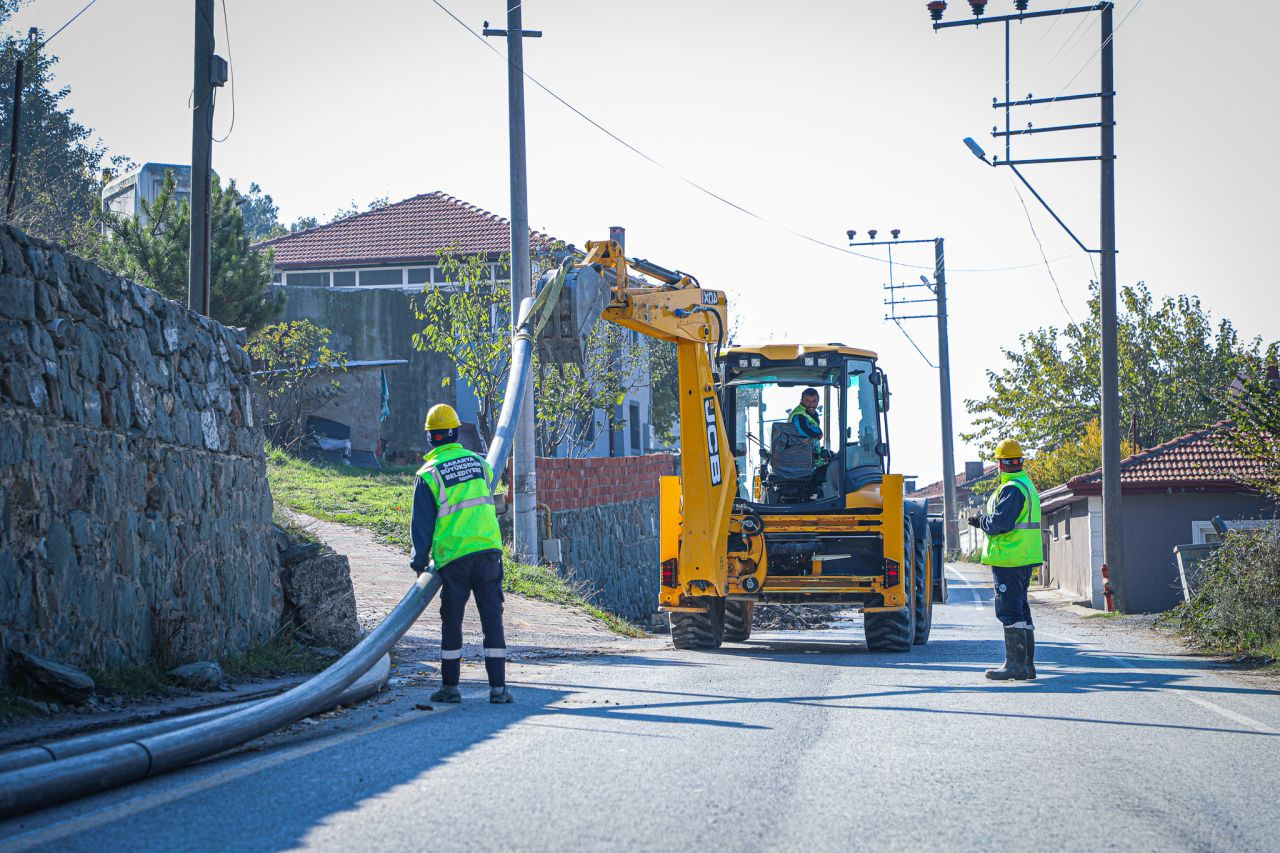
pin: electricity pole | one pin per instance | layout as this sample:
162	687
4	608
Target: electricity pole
1112	519
950	513
210	72
524	480
15	136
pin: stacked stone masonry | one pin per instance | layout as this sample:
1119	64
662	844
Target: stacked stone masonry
605	514
134	507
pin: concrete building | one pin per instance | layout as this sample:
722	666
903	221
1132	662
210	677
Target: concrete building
124	195
357	277
1170	494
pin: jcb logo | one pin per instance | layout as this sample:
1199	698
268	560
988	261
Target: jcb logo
713	440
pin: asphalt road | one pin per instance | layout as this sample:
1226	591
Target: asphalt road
799	741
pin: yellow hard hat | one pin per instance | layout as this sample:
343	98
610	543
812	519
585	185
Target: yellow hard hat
442	416
1009	449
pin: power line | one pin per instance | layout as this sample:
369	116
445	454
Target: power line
1135	7
231	73
1047	266
694	184
898	323
63	27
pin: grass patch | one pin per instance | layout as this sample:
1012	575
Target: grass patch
17	705
149	679
380	501
277	657
1103	614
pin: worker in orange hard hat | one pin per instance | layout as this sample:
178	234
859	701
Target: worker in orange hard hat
455	534
1013	549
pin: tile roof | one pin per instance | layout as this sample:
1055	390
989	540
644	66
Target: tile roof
934	490
1199	458
409	231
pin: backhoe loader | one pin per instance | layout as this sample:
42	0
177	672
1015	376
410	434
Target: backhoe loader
761	513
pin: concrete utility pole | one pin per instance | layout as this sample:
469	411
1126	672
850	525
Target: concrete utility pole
524	480
950	513
1112	519
15	135
210	72
950	533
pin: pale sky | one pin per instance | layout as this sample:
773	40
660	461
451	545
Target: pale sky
817	115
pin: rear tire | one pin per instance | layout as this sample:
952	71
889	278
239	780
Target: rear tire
737	620
703	630
924	587
891	631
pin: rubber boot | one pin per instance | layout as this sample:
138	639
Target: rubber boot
500	696
447	693
1015	655
1031	653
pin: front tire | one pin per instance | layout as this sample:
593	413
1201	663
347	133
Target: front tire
704	630
895	631
737	620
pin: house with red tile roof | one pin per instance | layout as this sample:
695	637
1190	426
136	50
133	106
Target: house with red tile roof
357	276
1170	494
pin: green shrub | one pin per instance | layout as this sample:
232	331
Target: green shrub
1238	607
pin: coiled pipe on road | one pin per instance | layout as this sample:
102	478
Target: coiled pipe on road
150	752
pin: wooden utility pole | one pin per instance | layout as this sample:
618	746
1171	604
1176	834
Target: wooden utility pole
210	72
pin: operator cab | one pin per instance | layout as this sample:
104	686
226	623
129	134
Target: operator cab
780	467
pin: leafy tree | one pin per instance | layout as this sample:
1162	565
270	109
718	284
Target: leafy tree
261	215
154	249
1174	364
58	175
1054	467
295	369
664	389
469	322
567	396
1254	408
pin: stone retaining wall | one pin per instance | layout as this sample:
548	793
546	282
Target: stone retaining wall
605	514
134	507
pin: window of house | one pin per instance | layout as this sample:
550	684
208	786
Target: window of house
345	278
1202	532
633	426
276	278
381	278
419	275
307	279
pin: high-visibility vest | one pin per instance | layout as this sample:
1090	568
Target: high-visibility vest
801	410
465	518
1023	545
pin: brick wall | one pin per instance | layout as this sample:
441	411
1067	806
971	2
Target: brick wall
584	483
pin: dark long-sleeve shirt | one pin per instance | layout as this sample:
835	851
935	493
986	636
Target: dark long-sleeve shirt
422	526
807	425
1008	508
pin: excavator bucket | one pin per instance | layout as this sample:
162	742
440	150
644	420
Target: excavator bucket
579	296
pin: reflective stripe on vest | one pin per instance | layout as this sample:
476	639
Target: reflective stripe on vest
1023	545
465	519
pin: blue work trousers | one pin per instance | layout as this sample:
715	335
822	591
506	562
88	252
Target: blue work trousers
479	573
1011	585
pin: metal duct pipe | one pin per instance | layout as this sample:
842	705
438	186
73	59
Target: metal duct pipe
44	785
44	753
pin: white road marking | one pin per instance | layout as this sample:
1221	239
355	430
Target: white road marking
112	812
1226	713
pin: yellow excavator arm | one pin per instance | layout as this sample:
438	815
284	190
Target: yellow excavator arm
680	311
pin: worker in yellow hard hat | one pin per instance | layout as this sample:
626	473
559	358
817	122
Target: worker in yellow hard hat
1013	549
455	534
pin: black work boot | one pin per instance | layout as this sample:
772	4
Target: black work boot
447	693
500	696
1031	652
1015	656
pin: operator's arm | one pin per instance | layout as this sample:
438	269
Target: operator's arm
422	528
1008	508
807	426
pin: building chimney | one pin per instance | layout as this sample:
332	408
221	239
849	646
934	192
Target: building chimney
972	471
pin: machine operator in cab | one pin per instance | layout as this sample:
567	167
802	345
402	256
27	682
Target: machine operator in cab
455	534
1013	549
804	418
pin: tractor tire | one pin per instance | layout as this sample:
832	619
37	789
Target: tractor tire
737	620
703	630
924	587
891	631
